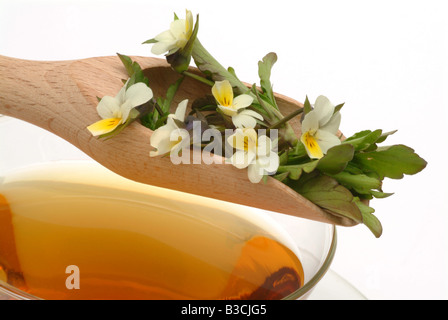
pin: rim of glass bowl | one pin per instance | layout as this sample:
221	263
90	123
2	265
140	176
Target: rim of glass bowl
13	293
307	287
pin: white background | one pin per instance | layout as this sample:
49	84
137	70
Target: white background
387	60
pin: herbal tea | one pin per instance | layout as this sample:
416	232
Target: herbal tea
133	241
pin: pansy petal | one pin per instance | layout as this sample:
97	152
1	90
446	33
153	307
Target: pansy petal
332	126
239	159
244	139
242	101
244	121
104	126
327	140
179	139
242	159
310	122
160	136
170	123
252	139
181	109
324	109
255	173
228	111
252	113
165	36
188	22
178	28
162	150
223	93
163	46
125	110
236	140
264	146
273	163
160	139
312	146
138	94
120	97
108	107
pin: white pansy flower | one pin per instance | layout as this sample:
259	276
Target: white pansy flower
171	138
257	153
223	93
319	128
116	110
176	37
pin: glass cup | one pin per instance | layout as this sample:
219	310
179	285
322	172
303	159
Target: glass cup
22	145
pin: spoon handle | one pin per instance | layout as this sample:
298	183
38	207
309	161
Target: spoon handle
24	89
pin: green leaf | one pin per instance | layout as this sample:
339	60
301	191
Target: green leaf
170	94
380	194
326	193
299	151
282	176
295	171
150	41
392	162
232	71
204	102
367	140
360	183
364	139
384	136
283	157
134	71
338	107
264	105
336	159
369	220
127	62
307	106
157	119
353	169
264	72
131	66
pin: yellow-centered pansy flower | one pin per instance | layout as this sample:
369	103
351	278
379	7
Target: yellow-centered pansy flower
232	107
116	110
256	153
176	37
171	138
320	127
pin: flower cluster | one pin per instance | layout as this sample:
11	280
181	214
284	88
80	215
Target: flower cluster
339	175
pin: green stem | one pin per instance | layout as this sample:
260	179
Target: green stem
156	105
199	78
286	119
266	108
211	67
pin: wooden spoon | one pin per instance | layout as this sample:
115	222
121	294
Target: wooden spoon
61	97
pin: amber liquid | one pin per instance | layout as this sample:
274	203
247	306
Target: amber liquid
133	241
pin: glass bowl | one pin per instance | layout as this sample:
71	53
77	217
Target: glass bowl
23	145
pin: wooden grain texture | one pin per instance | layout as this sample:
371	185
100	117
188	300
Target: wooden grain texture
61	97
